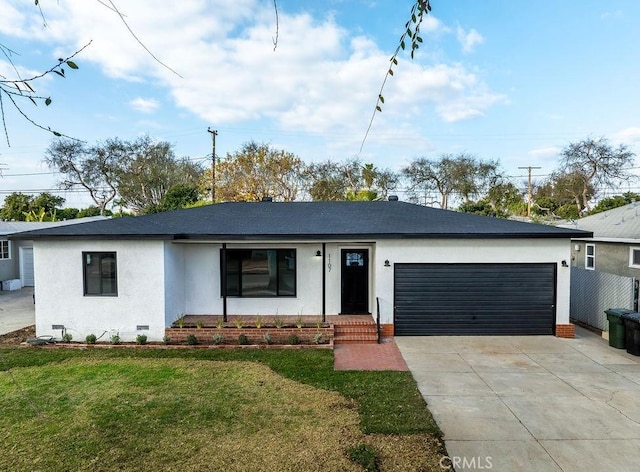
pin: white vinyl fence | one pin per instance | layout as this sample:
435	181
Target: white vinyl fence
592	292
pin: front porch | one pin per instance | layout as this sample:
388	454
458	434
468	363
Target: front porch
335	329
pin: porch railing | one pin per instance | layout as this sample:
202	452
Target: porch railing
378	318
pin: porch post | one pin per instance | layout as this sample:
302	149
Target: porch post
324	292
223	274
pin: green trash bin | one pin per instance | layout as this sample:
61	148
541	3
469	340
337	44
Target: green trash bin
616	326
632	330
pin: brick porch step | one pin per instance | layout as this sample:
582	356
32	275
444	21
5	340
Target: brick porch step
362	333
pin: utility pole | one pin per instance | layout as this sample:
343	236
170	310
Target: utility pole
214	133
529	168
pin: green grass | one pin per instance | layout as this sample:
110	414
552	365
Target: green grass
389	402
232	410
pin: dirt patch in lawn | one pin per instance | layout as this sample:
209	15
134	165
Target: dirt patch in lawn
15	338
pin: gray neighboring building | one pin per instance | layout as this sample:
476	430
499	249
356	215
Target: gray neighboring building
16	256
615	245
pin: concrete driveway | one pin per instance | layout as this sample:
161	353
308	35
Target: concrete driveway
16	310
530	403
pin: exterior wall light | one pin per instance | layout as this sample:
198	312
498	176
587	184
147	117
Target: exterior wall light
318	253
564	264
386	263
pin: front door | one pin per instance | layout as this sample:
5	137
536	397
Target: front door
355	281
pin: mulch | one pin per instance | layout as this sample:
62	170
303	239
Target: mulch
15	338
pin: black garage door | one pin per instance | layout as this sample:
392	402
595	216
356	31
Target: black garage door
462	299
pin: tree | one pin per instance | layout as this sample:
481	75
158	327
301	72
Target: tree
258	171
95	168
502	200
15	206
50	203
21	207
461	174
153	170
348	180
615	202
589	165
178	196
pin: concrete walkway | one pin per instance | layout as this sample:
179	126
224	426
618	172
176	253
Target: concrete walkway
16	309
531	403
383	356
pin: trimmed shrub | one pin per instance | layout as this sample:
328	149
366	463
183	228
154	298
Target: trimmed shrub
91	339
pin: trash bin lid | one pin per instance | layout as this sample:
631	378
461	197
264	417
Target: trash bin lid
618	311
631	316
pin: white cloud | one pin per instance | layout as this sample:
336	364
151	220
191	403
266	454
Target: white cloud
544	153
628	135
144	105
468	39
431	24
319	78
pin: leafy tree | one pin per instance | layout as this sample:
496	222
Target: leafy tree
462	174
590	164
95	168
348	180
615	202
258	171
178	196
93	211
50	203
67	213
15	206
145	179
502	200
22	207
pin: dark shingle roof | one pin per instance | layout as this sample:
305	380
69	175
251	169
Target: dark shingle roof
305	220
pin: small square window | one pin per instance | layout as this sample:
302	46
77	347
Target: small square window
634	257
590	257
100	273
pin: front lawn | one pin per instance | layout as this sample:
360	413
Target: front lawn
131	409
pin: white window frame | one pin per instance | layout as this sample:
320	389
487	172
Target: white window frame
590	257
2	243
632	249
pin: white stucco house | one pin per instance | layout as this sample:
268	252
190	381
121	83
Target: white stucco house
430	271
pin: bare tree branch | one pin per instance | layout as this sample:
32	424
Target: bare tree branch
275	41
412	34
115	9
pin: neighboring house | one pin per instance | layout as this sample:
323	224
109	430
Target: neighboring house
614	250
615	245
430	271
16	256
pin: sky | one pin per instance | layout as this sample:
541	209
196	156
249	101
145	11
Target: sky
512	81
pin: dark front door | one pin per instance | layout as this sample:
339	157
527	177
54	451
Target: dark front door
355	281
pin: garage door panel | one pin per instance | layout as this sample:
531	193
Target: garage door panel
445	299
